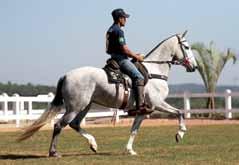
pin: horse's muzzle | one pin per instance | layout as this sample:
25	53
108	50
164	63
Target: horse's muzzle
191	69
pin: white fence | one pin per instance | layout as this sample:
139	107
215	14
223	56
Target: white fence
227	110
22	108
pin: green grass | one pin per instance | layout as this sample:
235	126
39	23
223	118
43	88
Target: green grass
155	145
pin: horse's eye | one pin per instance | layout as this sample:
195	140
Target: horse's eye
186	47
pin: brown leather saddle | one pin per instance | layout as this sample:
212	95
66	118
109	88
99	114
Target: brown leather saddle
115	75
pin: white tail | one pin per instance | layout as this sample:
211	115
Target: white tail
47	116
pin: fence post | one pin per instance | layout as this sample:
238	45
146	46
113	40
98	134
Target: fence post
29	108
21	104
187	105
17	109
51	96
5	106
228	104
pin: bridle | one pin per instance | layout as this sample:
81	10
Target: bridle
174	61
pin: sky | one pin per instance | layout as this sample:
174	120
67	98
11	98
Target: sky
42	40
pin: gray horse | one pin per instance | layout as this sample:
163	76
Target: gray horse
79	88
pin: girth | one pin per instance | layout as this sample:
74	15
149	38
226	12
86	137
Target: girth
157	76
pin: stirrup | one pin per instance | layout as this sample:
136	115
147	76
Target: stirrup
54	154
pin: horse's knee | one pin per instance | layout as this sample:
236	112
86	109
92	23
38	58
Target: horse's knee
57	128
181	114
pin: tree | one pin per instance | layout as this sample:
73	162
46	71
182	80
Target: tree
25	90
210	64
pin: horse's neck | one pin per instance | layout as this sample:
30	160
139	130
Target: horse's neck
162	53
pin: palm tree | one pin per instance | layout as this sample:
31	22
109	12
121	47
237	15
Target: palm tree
210	64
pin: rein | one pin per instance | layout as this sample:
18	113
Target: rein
157	76
164	62
162	77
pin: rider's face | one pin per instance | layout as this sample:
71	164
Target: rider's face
122	21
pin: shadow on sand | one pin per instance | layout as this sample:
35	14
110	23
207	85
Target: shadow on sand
92	154
38	156
20	156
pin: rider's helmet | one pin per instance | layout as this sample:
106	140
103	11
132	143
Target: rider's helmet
117	13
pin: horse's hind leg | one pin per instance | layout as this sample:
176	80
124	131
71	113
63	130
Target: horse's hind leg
75	124
64	121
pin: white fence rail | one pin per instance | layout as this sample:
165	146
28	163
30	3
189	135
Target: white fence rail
22	108
227	110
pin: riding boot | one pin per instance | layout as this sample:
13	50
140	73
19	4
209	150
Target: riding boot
141	107
140	104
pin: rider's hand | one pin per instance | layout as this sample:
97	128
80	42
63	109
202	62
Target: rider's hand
140	57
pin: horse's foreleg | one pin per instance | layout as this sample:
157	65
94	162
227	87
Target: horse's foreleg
75	124
165	107
65	120
134	130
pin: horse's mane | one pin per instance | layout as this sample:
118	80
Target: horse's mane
159	45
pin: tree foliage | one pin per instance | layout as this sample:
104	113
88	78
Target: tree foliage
25	90
211	62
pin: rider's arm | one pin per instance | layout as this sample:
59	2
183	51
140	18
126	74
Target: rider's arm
125	49
129	53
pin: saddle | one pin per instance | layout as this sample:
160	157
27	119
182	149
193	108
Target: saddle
115	75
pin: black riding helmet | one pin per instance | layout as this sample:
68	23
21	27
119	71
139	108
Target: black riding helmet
117	13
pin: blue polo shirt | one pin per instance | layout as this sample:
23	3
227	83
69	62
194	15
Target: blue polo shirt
115	40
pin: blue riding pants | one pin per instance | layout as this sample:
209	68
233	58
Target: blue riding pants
127	67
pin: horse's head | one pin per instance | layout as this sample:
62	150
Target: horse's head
183	53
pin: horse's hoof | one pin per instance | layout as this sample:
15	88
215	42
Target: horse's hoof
93	148
54	154
177	138
93	144
131	152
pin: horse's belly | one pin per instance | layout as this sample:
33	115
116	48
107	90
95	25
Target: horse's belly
110	95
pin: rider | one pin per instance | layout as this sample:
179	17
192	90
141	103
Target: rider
119	51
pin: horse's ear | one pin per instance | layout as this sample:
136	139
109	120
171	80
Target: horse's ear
184	34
